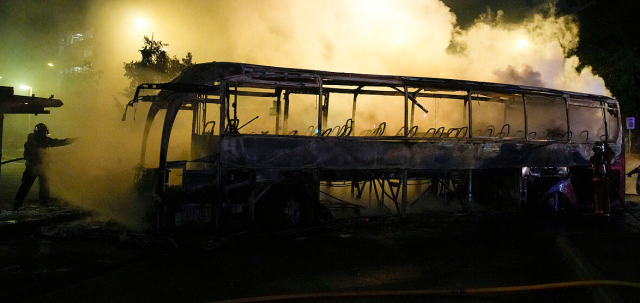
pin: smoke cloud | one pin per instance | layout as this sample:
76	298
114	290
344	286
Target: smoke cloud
407	37
526	77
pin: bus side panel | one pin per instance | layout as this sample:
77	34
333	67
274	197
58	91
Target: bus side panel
281	152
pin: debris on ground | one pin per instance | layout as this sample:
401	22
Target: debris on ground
96	230
35	215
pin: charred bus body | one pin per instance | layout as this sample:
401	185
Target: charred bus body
278	146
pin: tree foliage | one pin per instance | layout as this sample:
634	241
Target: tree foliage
82	78
609	44
156	66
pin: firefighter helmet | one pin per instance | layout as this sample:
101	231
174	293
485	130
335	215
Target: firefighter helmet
598	147
41	128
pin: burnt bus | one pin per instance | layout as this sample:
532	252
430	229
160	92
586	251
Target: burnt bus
283	147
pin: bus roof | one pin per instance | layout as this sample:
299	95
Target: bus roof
269	76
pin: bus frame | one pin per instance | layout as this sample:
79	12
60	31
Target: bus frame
278	179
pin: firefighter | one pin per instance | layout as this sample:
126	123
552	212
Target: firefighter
34	149
601	166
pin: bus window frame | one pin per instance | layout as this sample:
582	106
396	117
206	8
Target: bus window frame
564	139
590	104
616	109
515	95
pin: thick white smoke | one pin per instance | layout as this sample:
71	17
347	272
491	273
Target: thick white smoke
406	37
402	37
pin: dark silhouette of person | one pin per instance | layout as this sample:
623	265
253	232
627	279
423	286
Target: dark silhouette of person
34	148
631	173
601	166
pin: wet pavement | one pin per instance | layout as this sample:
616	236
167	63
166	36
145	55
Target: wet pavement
86	261
61	253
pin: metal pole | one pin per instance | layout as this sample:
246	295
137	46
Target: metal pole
285	124
278	109
325	110
406	121
413	110
470	114
606	124
320	107
195	126
223	107
216	202
353	113
526	121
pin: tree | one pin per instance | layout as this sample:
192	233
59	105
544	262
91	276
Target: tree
156	66
609	44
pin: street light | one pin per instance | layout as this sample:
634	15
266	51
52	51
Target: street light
50	64
523	43
141	23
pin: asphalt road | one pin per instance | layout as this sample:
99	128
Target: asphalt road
63	259
98	262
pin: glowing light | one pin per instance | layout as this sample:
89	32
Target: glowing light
400	40
522	43
50	64
27	87
441	74
141	23
425	115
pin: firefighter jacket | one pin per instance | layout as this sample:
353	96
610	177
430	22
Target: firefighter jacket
36	145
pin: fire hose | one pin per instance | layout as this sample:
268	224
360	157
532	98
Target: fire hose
12	160
440	292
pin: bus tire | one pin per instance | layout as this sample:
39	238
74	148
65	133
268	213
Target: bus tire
283	207
291	212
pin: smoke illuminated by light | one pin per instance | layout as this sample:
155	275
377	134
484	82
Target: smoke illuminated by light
522	43
348	36
141	23
395	37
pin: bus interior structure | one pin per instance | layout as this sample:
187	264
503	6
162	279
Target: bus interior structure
284	147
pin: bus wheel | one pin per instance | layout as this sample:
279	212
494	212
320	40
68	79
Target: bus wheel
291	215
282	207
